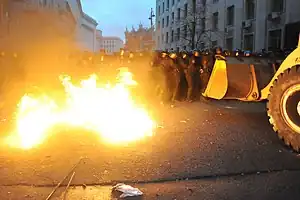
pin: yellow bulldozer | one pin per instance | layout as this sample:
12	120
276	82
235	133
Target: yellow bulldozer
250	79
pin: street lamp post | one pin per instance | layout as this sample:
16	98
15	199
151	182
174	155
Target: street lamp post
151	17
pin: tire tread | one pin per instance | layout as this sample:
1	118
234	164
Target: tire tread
284	80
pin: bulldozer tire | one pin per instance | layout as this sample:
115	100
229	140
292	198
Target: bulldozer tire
283	107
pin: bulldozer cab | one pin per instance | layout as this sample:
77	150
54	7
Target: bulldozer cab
237	77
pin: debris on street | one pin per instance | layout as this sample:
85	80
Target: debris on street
69	173
127	190
68	186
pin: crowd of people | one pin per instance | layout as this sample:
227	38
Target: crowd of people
168	76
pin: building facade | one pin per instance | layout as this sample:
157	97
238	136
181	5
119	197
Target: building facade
111	44
21	20
98	40
244	24
87	33
169	15
141	39
46	20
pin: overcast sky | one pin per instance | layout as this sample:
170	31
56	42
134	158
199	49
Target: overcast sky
114	15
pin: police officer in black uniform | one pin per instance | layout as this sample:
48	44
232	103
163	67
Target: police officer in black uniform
175	76
192	75
183	62
207	62
156	73
167	66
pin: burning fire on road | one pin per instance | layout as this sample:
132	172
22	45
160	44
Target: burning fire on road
109	110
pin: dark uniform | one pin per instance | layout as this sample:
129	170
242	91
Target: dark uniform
157	74
205	71
192	76
167	66
183	62
175	77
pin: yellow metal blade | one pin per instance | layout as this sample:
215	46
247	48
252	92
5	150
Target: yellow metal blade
218	83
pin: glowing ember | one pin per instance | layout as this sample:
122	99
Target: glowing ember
107	110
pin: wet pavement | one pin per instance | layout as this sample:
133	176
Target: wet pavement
208	150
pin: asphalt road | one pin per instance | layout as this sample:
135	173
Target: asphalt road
214	150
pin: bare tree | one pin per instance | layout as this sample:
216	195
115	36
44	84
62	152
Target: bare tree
193	31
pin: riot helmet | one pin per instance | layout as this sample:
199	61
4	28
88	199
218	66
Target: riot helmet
122	52
173	55
236	52
163	54
184	54
247	53
196	53
131	55
226	53
218	50
206	51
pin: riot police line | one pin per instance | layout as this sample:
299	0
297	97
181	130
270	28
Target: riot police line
172	76
183	76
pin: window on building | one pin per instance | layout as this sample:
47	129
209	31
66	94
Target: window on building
203	25
185	31
167	37
229	44
162	38
215	21
214	43
158	10
185	10
172	36
167	23
194	6
163	8
163	23
173	2
158	39
277	5
177	49
250	9
168	5
173	15
178	34
43	2
184	47
178	13
215	1
230	16
249	42
274	40
158	25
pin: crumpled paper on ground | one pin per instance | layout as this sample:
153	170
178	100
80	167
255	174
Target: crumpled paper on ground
127	190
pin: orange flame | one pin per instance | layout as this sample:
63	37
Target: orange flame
109	110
